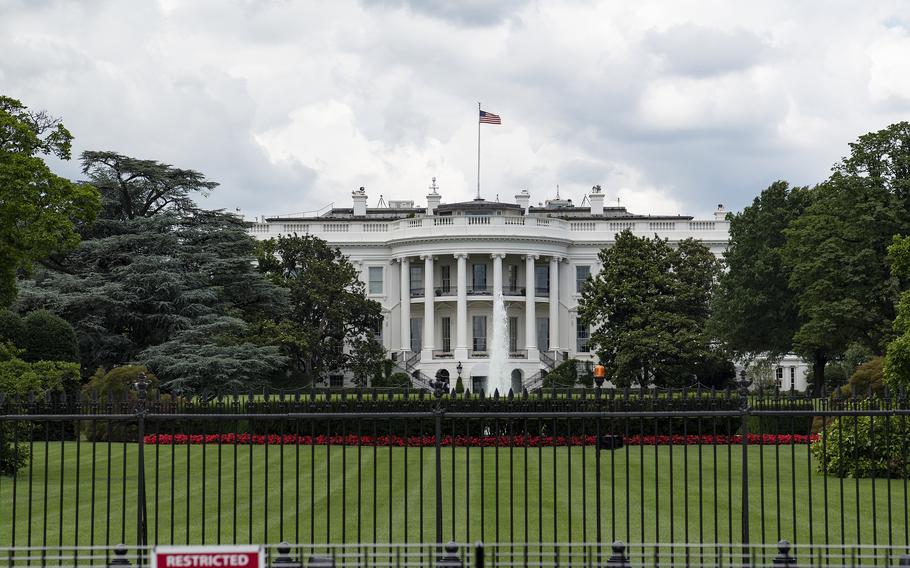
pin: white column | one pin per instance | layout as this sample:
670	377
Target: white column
405	287
554	303
497	272
429	298
530	311
461	330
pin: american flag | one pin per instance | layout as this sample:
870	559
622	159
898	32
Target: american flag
489	118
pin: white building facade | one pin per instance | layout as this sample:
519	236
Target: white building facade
436	269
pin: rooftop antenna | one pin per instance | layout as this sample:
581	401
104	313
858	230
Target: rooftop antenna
497	198
557	191
433	186
381	202
584	200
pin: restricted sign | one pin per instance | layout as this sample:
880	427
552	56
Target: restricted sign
208	557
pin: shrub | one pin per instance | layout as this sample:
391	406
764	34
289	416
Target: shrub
563	376
48	337
868	379
857	446
11	327
459	386
115	386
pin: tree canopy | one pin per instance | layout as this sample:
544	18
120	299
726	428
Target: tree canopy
173	285
331	324
649	308
40	212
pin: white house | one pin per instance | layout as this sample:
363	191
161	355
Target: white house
435	268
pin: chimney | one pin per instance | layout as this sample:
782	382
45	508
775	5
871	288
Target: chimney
523	198
596	199
720	214
360	202
433	198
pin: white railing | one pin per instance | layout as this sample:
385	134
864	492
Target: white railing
295	228
375	227
583	226
543	222
620	226
478	220
662	226
260	228
515	220
701	225
415	222
335	227
441	221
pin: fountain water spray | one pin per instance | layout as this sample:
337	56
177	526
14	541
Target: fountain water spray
499	376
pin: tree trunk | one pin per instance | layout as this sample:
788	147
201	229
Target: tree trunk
818	373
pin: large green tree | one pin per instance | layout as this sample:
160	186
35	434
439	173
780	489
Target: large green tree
649	308
39	211
162	283
836	253
754	311
331	324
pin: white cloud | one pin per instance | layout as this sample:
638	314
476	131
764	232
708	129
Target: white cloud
672	107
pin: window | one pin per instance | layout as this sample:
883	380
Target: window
446	278
416	334
513	334
377	329
479	277
416	280
793	377
581	336
480	333
513	278
780	373
581	276
375	273
446	334
543	334
542	278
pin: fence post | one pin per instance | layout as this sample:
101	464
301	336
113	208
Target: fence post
142	384
743	384
438	412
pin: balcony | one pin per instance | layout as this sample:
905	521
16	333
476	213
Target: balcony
513	291
417	292
542	292
474	354
442	354
480	290
445	291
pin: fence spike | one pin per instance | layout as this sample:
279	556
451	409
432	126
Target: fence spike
120	558
618	558
783	557
284	558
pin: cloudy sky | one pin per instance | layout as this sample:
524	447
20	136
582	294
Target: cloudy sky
672	107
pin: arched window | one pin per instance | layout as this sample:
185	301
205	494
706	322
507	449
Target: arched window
442	375
517	386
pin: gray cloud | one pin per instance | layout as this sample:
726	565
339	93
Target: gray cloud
291	105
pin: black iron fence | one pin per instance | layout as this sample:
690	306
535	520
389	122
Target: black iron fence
573	466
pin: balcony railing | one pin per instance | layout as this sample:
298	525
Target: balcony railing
513	291
445	291
480	290
518	354
417	292
442	354
542	292
476	354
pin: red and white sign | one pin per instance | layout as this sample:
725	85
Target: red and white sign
208	557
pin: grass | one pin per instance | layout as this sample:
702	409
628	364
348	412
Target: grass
240	494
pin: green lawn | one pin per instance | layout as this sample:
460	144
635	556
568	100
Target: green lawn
335	497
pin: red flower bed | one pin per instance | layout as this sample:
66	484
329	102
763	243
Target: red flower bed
467	441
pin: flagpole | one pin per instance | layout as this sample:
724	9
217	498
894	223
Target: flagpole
478	150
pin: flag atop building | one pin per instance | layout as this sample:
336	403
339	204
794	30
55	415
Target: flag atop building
489	118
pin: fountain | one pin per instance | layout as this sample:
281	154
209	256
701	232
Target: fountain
499	377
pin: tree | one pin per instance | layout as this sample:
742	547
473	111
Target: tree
836	255
48	337
649	308
329	313
755	313
160	277
40	211
896	368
